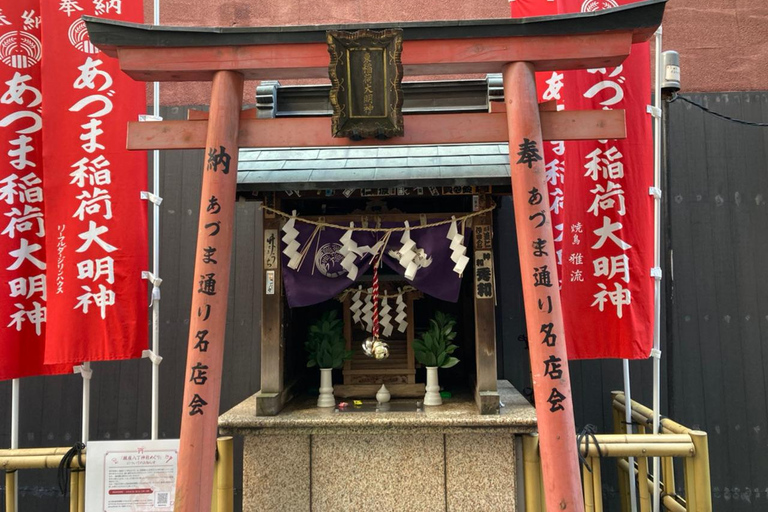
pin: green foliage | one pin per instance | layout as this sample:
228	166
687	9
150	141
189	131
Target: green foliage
326	344
434	347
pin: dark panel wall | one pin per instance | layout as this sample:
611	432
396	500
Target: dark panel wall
718	176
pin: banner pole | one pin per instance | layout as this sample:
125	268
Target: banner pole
541	297
155	254
15	436
630	430
85	372
656	352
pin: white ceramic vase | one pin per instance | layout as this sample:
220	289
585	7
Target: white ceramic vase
326	398
383	395
433	388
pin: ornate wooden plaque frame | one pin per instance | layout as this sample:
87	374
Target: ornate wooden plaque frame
366	73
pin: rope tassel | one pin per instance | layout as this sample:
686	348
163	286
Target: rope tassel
291	245
459	250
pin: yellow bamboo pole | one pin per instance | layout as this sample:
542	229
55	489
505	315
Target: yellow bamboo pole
81	492
620	428
597	482
642	490
690	485
532	473
589	488
639	449
225	475
10	491
668	474
24	452
605	439
74	478
647	414
701	472
37	462
669	502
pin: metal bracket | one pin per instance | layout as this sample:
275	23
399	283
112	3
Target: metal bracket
149	196
85	374
149	117
656	273
495	87
148	354
654	111
156	282
655	192
266	99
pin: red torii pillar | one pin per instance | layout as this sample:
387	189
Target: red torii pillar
205	351
541	294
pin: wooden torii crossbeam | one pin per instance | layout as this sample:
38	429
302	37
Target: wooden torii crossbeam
228	56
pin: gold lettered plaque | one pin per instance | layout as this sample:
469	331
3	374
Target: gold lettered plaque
366	75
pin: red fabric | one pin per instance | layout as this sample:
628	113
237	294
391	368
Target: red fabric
23	294
587	183
97	305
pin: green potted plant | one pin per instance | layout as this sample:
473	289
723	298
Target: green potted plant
433	349
326	348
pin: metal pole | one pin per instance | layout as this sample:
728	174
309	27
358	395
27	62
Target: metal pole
155	254
656	353
86	374
628	421
14	440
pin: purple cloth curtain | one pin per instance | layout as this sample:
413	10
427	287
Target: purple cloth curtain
321	276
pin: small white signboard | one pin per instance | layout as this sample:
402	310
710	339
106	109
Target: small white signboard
131	476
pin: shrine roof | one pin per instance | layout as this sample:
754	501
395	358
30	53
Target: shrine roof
641	18
275	169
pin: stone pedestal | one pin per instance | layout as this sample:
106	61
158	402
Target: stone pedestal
446	458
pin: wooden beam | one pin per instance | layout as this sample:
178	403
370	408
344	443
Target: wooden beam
419	129
422	58
194	114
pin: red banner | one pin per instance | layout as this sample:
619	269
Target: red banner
22	239
97	305
601	208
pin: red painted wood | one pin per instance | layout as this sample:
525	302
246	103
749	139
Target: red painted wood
436	57
199	425
554	407
419	129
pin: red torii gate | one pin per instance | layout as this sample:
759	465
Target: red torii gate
516	47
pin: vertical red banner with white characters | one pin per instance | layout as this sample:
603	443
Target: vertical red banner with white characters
22	213
602	210
97	222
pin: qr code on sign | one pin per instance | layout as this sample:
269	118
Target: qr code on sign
162	499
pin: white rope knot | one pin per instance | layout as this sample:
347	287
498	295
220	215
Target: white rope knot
410	257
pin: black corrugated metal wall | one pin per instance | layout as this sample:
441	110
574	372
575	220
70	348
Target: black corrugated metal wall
718	224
